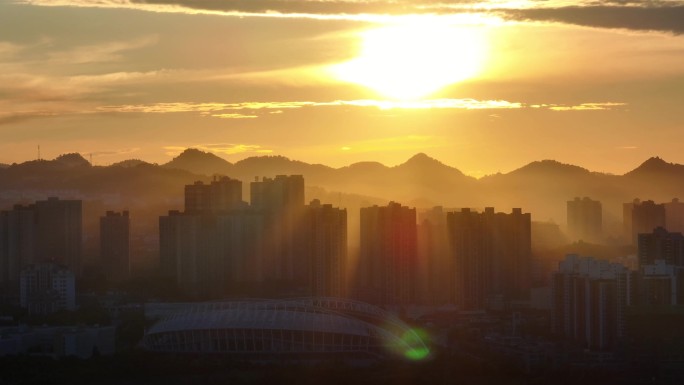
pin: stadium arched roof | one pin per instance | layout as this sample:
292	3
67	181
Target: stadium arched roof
289	325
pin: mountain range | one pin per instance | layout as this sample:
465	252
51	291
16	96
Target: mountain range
541	187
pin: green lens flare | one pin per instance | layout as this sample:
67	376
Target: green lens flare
416	349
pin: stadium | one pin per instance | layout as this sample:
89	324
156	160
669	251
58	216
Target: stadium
290	327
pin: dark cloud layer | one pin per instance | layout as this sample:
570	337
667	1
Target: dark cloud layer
662	18
642	16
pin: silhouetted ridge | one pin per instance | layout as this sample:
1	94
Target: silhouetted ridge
423	162
366	166
129	163
277	161
71	160
549	166
199	162
655	166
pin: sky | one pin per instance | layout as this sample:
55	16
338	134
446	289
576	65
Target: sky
484	87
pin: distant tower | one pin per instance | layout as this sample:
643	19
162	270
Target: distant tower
585	219
388	261
58	232
281	200
674	216
325	229
641	218
223	193
115	245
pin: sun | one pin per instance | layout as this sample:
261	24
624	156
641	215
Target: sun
411	60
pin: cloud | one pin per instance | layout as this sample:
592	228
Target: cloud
106	52
220	148
214	109
587	107
234	116
659	16
253	110
375	11
663	16
121	151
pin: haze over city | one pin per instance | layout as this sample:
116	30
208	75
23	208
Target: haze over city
341	191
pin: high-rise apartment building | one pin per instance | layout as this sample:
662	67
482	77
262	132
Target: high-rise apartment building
59	232
115	247
585	219
661	284
590	298
491	255
209	254
642	217
223	193
660	244
281	201
674	216
387	265
325	229
49	230
434	262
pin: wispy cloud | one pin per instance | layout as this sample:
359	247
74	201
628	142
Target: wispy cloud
213	109
588	107
665	16
220	148
120	151
217	109
234	116
253	110
646	16
99	53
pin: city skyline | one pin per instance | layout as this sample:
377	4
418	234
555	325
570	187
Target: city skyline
501	84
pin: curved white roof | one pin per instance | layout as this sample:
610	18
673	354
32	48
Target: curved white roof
329	315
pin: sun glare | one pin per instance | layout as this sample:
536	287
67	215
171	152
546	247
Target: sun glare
411	60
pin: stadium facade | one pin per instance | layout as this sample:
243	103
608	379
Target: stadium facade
288	327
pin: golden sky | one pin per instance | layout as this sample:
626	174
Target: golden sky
481	86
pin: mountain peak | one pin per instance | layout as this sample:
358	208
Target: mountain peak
72	160
422	160
654	162
420	157
199	162
654	165
422	163
193	153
